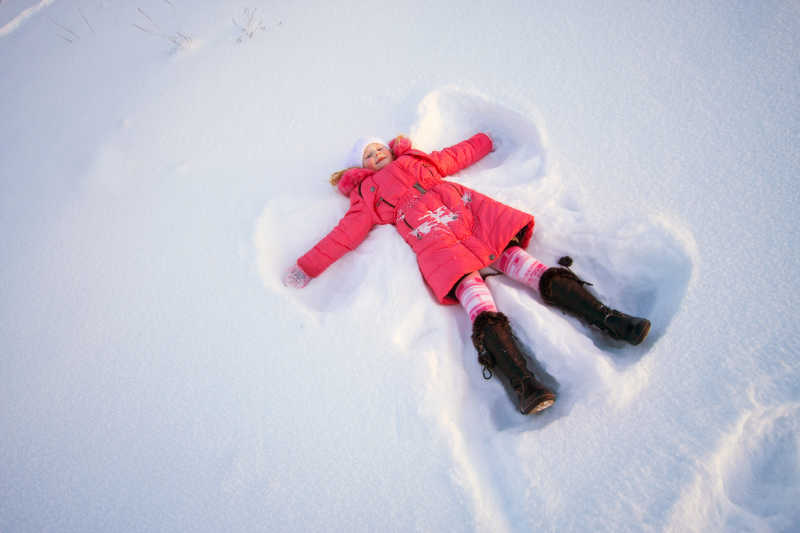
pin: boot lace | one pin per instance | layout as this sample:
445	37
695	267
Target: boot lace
486	359
608	314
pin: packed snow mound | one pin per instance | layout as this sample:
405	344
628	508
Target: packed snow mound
753	483
449	115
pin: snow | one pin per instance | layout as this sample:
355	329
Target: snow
162	164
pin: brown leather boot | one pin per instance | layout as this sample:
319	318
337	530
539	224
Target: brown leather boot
562	288
492	337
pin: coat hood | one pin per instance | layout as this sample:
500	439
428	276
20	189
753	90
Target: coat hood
355	175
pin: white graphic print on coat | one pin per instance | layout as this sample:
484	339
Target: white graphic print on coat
434	220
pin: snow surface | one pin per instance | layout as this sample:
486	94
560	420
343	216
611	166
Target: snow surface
163	162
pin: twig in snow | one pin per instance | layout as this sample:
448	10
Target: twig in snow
180	40
143	29
148	18
85	20
64	28
250	26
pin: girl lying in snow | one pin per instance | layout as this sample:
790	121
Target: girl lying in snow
455	232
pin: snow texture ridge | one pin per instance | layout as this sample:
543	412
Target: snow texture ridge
22	16
751	483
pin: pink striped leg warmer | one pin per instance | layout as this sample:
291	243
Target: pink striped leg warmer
519	265
473	294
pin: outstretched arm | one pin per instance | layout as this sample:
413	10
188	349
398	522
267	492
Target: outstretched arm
451	160
346	236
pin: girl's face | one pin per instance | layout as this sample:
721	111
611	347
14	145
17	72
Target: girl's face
376	156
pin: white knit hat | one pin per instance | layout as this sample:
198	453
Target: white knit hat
356	156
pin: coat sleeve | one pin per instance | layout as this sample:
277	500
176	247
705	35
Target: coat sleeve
451	160
351	231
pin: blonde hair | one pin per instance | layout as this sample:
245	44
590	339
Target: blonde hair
337	176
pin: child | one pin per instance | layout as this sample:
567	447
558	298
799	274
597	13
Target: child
456	231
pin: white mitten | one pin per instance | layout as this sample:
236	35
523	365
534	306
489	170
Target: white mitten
296	278
496	142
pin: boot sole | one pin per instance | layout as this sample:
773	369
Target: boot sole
643	335
540	406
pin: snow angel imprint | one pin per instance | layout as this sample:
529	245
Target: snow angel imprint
455	232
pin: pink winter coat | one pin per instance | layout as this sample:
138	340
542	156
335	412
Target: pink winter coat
453	230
